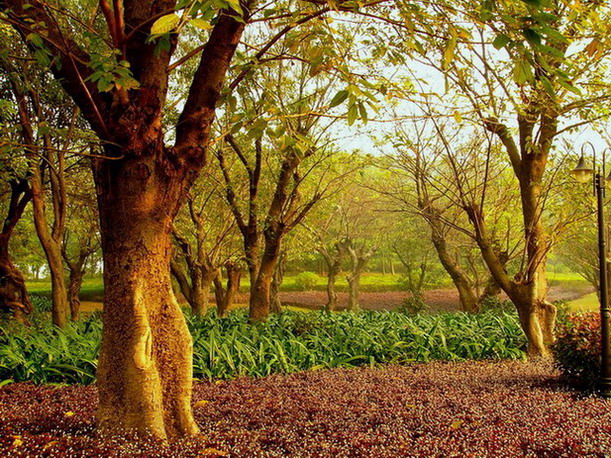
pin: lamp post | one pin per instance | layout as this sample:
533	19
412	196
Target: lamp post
583	173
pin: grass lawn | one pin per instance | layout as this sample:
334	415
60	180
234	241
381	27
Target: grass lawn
93	288
587	303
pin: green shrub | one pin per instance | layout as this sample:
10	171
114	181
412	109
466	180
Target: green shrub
306	281
563	313
496	304
577	350
40	303
414	304
289	342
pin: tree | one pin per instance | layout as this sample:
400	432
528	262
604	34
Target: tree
119	79
81	238
420	189
280	159
13	293
524	96
205	241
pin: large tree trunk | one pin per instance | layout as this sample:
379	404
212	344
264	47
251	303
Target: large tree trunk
260	291
145	366
59	292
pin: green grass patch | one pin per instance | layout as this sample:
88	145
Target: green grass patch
92	289
290	342
587	303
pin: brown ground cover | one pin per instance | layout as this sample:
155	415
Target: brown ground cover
499	409
437	299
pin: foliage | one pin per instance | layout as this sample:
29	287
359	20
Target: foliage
306	281
577	350
496	304
290	342
414	304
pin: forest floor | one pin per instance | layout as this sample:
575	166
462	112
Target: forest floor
499	409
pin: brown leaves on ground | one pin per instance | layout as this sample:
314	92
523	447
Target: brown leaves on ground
439	409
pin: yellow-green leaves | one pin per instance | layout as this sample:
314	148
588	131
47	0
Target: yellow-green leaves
522	72
165	24
201	24
339	98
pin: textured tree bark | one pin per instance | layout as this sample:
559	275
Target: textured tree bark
260	292
469	301
358	257
225	296
145	365
277	278
75	281
13	292
201	295
354	281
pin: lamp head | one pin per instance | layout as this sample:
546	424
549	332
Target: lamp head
583	172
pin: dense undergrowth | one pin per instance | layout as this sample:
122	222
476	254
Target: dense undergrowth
293	341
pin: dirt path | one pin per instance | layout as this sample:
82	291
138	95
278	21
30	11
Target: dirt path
483	409
438	299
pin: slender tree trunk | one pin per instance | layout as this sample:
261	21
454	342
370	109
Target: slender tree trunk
260	290
13	293
146	358
201	292
392	268
334	270
468	298
59	291
354	281
225	296
277	278
51	239
74	286
469	302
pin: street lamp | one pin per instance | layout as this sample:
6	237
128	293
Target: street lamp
582	173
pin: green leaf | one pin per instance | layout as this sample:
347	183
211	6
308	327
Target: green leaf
353	114
35	39
165	24
532	36
567	85
339	98
522	72
235	6
501	41
201	24
363	112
